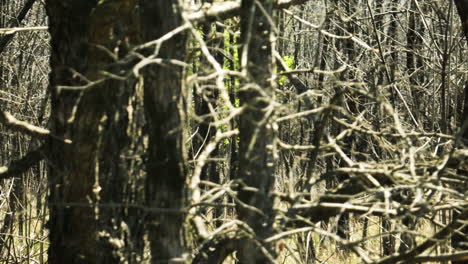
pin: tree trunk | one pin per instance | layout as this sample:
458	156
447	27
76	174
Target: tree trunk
89	177
164	109
257	155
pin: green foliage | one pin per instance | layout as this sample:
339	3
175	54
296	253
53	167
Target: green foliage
290	62
231	61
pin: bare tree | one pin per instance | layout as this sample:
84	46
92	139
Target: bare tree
163	112
257	127
89	175
164	107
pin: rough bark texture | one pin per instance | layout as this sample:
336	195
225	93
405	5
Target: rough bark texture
256	162
462	7
164	109
89	176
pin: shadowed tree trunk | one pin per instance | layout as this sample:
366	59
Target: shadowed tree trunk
89	178
166	166
257	157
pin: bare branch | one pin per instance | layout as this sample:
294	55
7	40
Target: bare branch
409	256
457	256
229	9
20	126
22	14
19	166
13	30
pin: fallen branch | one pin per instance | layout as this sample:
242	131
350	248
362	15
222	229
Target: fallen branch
360	180
457	256
444	233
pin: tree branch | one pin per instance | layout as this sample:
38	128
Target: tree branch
229	9
219	10
22	14
457	256
14	124
216	251
19	166
445	232
334	202
13	30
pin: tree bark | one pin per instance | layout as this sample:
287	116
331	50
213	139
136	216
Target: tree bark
89	178
257	133
164	107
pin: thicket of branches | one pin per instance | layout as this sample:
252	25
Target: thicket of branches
224	132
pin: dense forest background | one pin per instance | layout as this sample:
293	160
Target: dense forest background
253	131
